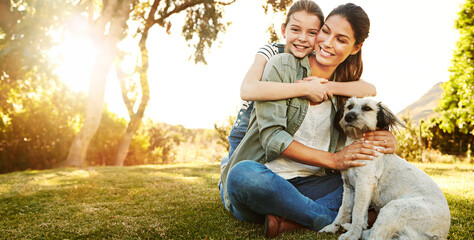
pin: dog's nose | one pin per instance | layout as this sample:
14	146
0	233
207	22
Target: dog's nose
351	116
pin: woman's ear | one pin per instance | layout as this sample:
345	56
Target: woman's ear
356	48
283	30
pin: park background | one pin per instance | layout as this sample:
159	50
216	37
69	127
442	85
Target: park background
154	85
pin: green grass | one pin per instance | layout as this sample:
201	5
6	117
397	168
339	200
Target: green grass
162	202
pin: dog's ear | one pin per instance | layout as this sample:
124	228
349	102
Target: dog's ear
338	117
386	120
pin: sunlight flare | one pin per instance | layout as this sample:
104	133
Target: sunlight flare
77	59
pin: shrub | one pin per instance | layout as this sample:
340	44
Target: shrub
410	146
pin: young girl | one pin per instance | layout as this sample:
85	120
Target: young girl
287	142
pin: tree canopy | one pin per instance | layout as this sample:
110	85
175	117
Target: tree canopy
457	105
40	116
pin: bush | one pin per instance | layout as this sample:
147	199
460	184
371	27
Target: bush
410	146
103	145
436	156
454	143
223	130
38	131
426	142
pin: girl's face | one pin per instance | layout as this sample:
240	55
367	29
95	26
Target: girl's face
300	33
335	42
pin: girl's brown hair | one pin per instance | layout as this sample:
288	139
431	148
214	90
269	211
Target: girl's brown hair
305	5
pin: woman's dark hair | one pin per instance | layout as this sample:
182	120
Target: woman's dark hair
351	68
305	5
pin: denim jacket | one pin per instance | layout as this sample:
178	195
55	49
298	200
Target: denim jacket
273	123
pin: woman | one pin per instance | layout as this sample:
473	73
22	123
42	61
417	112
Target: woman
278	168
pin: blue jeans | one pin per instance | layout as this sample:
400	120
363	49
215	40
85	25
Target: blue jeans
239	128
237	132
255	191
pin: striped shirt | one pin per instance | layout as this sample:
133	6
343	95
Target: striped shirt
268	51
271	49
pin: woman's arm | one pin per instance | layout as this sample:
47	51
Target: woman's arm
360	150
254	89
340	161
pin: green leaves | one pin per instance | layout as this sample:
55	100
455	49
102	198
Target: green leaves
203	23
457	105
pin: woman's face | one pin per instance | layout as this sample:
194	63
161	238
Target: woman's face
300	33
335	42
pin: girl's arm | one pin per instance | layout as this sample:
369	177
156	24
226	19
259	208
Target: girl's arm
359	88
253	89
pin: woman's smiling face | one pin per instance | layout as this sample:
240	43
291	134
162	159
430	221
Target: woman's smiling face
300	33
335	42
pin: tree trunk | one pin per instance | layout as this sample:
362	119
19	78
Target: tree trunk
95	104
126	140
107	51
136	118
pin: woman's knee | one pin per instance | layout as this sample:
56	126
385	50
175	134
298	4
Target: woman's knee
244	171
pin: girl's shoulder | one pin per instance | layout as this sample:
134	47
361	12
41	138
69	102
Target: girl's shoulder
271	49
284	59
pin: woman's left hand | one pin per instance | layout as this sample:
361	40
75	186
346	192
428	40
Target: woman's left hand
382	138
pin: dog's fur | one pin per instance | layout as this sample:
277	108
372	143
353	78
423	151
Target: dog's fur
409	203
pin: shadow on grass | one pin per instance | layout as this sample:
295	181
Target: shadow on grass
447	170
164	202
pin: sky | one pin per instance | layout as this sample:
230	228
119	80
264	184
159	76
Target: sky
409	50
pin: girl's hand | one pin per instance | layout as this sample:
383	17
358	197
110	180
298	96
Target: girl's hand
359	150
317	92
382	138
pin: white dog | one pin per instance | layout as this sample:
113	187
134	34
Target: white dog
409	203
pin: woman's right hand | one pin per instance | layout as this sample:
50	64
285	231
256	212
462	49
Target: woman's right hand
359	150
317	92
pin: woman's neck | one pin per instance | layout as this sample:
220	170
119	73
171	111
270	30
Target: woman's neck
319	70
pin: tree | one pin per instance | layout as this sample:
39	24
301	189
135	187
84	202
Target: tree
456	105
34	118
24	42
37	134
203	23
164	138
453	143
26	70
223	130
108	31
203	18
25	29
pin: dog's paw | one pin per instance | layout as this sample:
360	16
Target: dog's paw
366	234
350	235
346	226
331	228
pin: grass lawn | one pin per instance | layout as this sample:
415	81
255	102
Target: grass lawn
162	202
